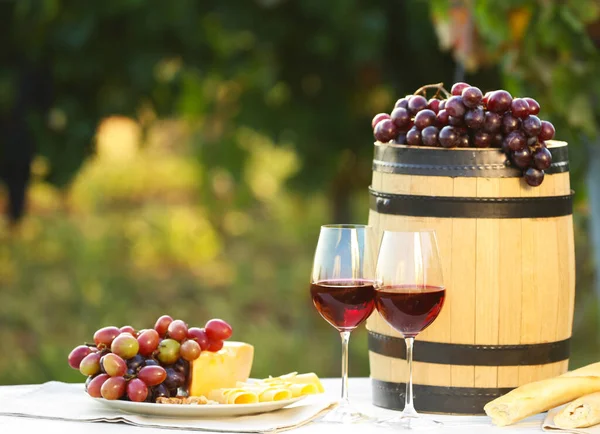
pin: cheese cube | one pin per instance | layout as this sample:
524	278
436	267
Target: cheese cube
222	369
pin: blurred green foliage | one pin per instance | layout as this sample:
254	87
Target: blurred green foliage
231	130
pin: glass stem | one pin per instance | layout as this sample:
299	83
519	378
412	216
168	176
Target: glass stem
345	339
409	409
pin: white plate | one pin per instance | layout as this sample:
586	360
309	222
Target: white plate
196	411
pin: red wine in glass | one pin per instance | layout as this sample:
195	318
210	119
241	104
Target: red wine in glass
344	303
410	309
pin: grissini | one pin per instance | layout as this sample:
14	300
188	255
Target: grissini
581	413
534	398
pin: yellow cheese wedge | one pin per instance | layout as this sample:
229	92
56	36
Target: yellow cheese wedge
222	369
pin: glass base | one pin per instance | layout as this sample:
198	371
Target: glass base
410	421
344	413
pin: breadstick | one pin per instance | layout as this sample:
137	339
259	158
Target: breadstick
534	398
581	413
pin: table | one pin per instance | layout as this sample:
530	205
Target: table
360	395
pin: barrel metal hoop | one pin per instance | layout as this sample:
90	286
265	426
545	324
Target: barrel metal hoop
481	163
438	399
471	207
472	355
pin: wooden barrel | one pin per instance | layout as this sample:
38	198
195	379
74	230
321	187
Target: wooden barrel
509	269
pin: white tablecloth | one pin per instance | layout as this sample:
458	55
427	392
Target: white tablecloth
360	394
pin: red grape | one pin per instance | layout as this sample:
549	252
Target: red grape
475	118
400	139
168	351
416	103
534	177
442	118
499	101
532	125
442	105
497	140
137	391
161	391
215	346
402	102
113	365
510	123
174	379
463	141
456	121
481	139
486	97
93	388
429	136
413	138
522	158
199	335
162	324
434	104
471	96
178	330
455	107
113	388
542	159
106	335
547	131
448	137
534	106
217	329
77	355
425	118
148	342
385	131
457	88
152	375
127	329
90	364
190	350
516	140
519	108
492	122
125	346
379	117
400	118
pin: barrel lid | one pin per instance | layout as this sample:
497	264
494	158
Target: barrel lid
458	162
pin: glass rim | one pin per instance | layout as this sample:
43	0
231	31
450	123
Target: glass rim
345	226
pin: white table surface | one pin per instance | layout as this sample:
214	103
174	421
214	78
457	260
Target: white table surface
360	395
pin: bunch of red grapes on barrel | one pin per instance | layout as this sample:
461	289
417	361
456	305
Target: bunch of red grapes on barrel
145	365
470	119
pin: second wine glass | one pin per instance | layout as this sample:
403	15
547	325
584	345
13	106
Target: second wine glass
409	296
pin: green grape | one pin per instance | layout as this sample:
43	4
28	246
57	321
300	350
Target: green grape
90	365
113	365
168	351
125	346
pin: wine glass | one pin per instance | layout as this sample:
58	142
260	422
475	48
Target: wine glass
342	290
409	296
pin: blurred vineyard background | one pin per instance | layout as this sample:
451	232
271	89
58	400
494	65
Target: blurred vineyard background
179	157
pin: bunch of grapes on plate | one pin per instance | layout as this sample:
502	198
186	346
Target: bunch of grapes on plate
147	364
466	118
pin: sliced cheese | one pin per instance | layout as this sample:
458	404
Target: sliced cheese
233	396
222	369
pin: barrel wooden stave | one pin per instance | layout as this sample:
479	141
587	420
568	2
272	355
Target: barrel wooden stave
509	281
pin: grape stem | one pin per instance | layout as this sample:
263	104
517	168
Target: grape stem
88	344
438	86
